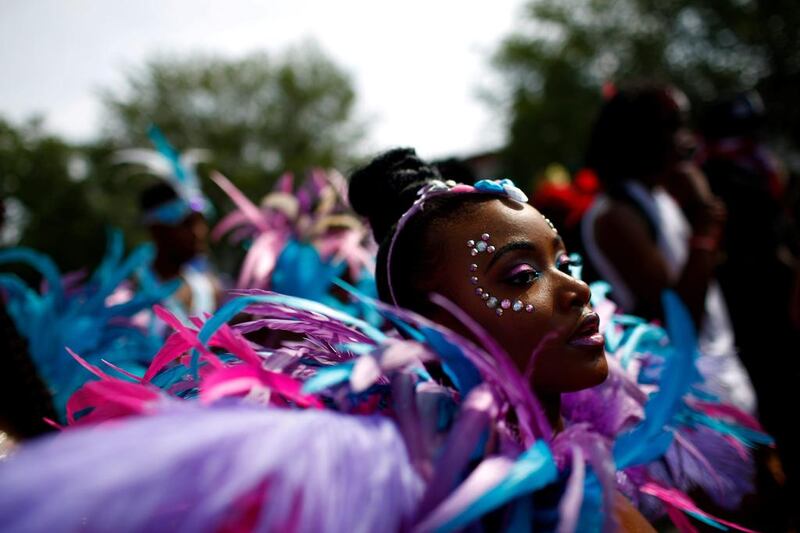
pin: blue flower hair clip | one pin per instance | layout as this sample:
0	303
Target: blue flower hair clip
503	187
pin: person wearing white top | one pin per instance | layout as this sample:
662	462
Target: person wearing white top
657	226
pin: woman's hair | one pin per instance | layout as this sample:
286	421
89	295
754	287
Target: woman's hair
632	135
156	194
740	116
382	191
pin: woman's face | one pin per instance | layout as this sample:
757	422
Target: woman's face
524	269
185	240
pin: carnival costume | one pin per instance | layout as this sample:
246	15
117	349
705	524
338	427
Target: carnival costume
352	428
178	170
94	316
300	240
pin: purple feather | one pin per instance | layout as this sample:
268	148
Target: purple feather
610	408
597	450
703	458
533	423
221	469
478	411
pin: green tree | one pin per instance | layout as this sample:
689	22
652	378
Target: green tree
555	68
258	116
46	175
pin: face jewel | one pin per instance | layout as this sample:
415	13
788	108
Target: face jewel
485	296
490	249
491	303
505	304
485	237
473	280
517	306
481	246
529	308
470	243
473	267
499	311
479	291
473	252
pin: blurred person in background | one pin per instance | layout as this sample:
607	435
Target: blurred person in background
642	241
175	211
180	233
760	259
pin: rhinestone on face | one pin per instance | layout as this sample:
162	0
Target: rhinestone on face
529	308
491	249
550	223
517	305
473	252
485	237
505	304
485	296
473	280
473	267
470	243
491	303
481	246
479	291
499	311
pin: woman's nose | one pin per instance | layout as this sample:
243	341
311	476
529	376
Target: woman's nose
200	230
573	292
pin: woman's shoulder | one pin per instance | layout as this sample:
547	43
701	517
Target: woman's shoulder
618	216
628	518
620	228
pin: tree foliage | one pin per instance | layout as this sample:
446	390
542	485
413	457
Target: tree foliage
258	116
45	175
555	68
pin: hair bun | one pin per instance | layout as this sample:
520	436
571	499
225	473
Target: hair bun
387	186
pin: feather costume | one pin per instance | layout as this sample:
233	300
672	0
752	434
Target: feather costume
94	318
236	437
300	240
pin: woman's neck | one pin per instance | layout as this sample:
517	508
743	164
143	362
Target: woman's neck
551	404
165	267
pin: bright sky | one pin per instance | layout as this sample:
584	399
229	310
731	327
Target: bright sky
418	65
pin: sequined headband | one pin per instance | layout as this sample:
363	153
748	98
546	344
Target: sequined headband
503	188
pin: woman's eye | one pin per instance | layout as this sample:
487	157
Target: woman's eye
522	275
570	264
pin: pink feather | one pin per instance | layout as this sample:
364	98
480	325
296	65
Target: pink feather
229	222
718	410
174	346
681	501
244	204
110	399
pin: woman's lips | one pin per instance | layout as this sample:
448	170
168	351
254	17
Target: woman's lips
587	333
